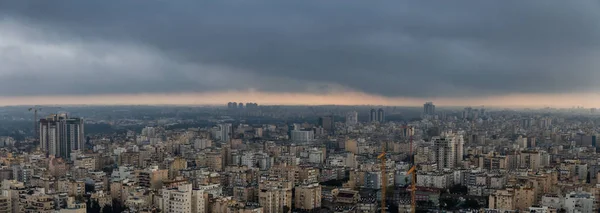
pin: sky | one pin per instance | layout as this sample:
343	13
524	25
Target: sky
390	52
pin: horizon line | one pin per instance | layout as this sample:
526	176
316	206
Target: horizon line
586	100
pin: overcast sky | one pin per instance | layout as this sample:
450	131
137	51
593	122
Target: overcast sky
388	49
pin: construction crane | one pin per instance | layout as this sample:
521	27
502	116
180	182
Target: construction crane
383	178
412	171
35	110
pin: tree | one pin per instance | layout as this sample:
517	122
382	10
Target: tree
93	206
107	209
448	203
472	204
459	189
117	206
89	188
389	192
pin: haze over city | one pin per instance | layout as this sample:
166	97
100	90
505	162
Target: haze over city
505	53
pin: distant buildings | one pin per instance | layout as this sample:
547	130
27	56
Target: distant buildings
352	118
235	105
380	115
328	123
429	108
302	135
372	115
60	135
377	115
222	132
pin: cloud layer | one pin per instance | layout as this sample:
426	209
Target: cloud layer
387	48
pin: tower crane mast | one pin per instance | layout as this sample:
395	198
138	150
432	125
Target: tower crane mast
412	171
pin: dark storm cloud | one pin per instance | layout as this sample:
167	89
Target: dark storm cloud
392	48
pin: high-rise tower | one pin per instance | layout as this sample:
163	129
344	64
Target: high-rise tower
59	135
380	115
352	118
429	108
328	123
448	150
373	115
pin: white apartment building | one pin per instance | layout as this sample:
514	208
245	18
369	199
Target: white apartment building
183	199
579	202
352	118
448	150
435	180
301	136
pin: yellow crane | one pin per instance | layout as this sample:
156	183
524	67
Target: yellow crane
412	171
383	178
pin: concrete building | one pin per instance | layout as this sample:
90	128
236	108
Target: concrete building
328	123
275	195
152	177
448	150
5	204
519	198
435	180
372	180
429	108
302	136
580	202
274	200
352	118
502	200
316	156
380	115
60	135
308	197
222	132
530	160
373	115
183	199
553	201
73	207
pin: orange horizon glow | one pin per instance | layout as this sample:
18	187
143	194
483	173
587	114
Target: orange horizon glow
272	98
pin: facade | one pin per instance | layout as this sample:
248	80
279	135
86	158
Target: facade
373	115
183	199
502	200
435	180
380	115
579	202
222	132
530	160
5	205
352	118
302	136
448	150
274	200
60	135
328	123
428	108
308	197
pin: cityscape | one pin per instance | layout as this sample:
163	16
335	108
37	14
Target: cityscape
255	158
327	106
